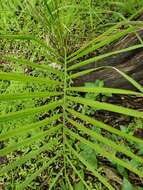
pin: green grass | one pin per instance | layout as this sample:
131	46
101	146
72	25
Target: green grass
49	138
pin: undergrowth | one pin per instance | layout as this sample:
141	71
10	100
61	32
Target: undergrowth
50	136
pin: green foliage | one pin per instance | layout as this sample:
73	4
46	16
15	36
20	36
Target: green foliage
127	185
94	96
43	133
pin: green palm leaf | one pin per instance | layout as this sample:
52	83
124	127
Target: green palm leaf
28	141
32	64
97	58
106	106
104	90
24	78
29	179
27	112
90	168
104	153
49	130
21	96
104	126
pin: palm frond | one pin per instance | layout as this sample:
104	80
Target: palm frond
54	135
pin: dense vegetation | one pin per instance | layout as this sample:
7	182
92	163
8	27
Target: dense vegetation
53	135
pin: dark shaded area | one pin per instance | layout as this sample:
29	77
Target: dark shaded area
130	62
